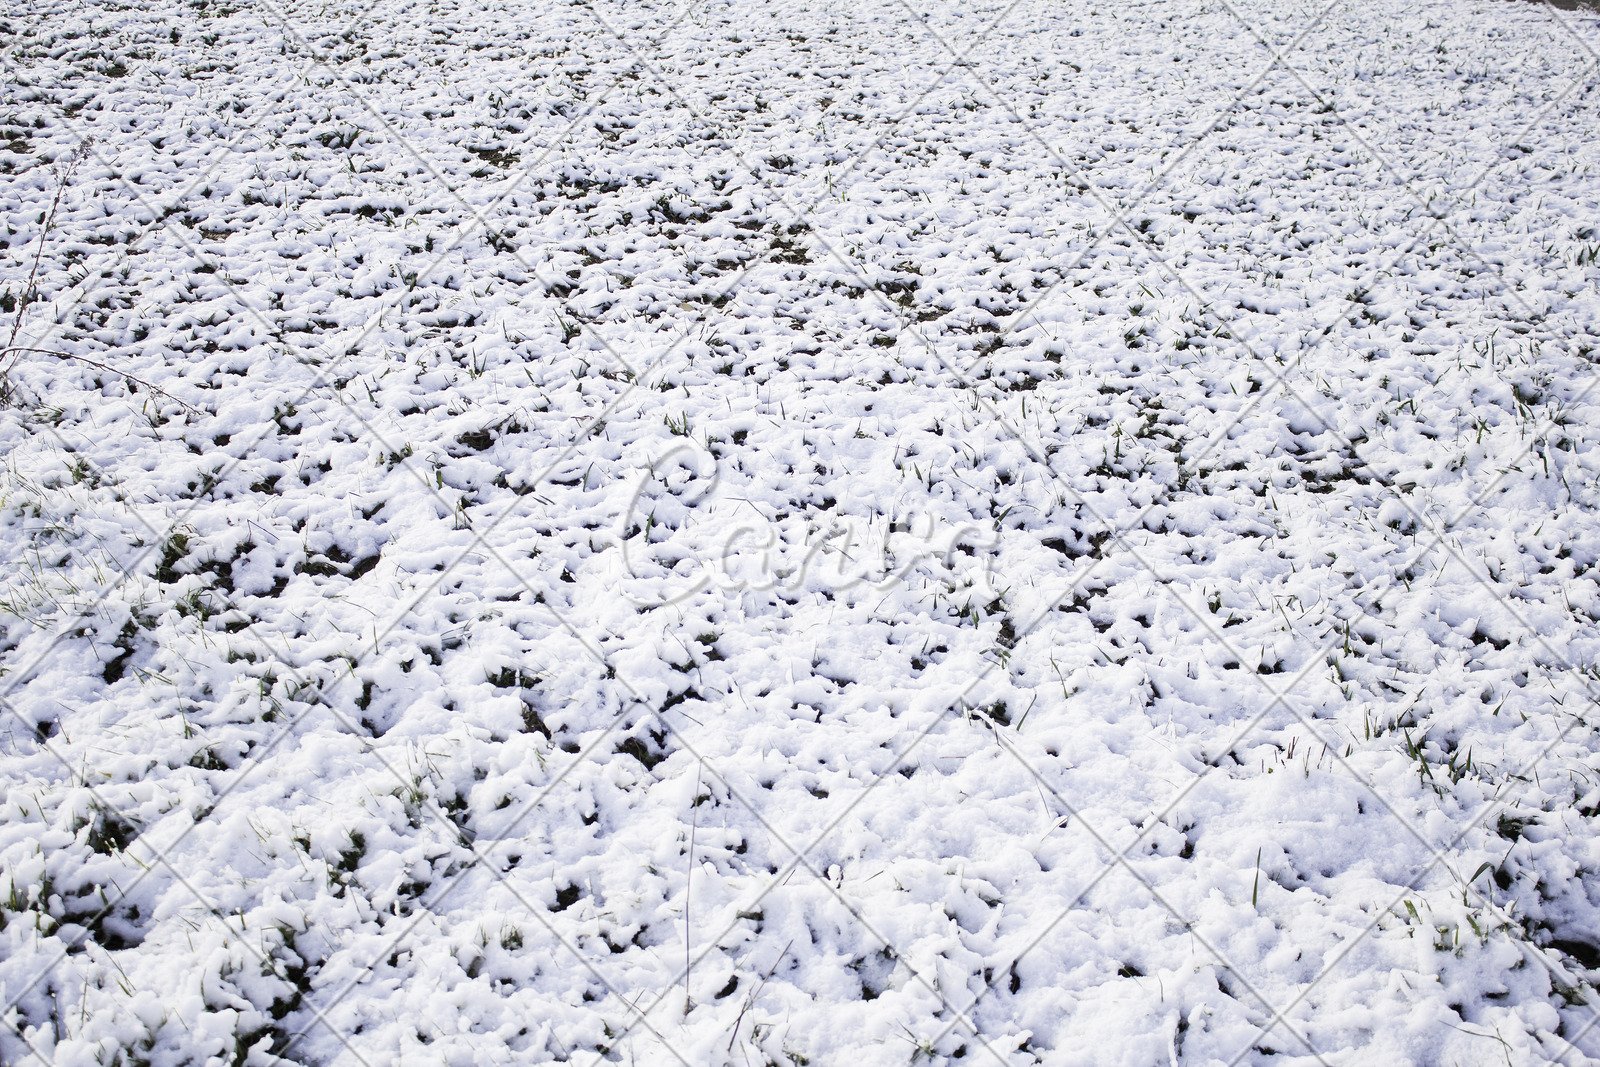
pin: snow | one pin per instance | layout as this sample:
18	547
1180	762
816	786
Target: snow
753	533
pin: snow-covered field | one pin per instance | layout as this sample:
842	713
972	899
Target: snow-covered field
758	533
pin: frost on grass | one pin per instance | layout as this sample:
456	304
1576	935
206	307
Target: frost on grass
710	534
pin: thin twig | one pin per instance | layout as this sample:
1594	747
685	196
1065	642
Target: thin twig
756	992
98	365
688	893
30	290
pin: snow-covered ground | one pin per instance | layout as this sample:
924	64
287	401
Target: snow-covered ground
757	533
